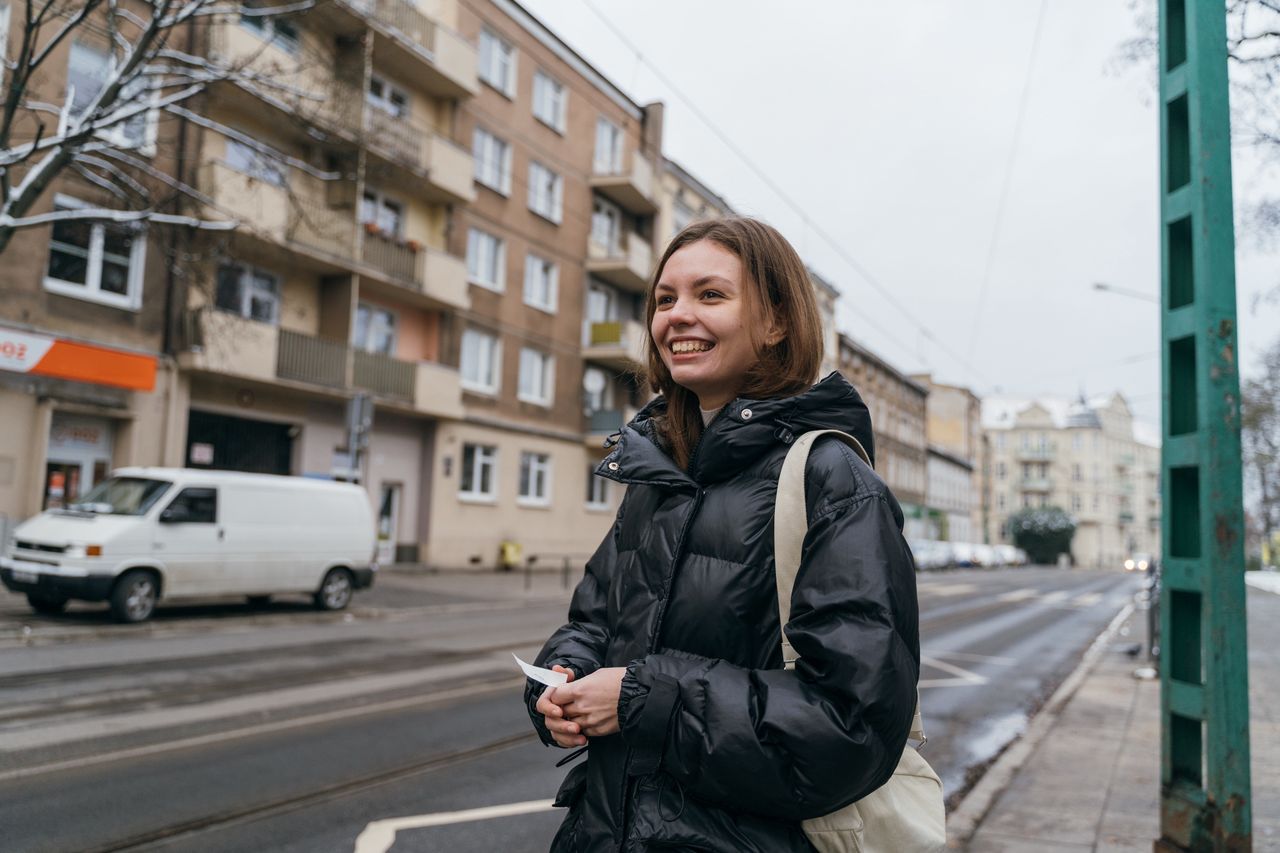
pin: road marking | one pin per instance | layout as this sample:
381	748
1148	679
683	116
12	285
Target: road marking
1088	599
1056	597
948	589
975	658
378	836
964	678
1018	595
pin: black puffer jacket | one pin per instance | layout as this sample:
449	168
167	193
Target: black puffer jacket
721	749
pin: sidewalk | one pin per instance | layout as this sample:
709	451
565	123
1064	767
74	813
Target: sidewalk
1086	776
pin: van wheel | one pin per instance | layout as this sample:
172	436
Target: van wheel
335	592
48	604
134	597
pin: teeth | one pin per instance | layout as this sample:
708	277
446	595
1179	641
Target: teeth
690	346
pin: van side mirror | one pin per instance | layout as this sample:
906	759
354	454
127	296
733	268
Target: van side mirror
175	514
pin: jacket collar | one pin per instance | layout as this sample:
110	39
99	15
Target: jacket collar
742	431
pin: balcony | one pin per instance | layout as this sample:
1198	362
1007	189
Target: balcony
446	170
1125	460
218	342
297	213
440	60
626	266
1036	484
604	423
1123	518
631	188
431	272
619	345
1036	454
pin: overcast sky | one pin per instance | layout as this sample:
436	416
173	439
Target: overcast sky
892	126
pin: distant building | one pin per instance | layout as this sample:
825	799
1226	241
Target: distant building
898	411
957	442
1088	457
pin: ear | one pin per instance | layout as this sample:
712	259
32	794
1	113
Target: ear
775	335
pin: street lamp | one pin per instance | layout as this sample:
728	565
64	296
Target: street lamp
1136	294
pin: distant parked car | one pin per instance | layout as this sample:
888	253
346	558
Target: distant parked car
1011	556
930	554
1139	562
986	556
144	533
963	555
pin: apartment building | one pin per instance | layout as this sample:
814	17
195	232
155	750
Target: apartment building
1088	457
958	458
337	160
898	413
83	385
558	245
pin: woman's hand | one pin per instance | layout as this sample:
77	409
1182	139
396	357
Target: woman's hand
592	703
566	732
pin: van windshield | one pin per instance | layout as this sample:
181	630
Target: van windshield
122	496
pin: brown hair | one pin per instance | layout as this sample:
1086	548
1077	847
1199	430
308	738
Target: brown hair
779	295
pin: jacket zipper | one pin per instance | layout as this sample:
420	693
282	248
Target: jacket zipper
628	782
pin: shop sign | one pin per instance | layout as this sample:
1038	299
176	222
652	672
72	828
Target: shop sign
44	355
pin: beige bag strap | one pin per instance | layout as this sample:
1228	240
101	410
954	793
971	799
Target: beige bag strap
790	523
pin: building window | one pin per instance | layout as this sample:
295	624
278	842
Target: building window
497	63
549	101
1076	503
537	375
1076	474
1000	441
606	225
479	473
88	70
535	479
1000	501
608	158
492	161
479	362
248	292
387	98
375	330
546	192
279	31
248	160
541	281
681	216
97	261
486	260
385	215
1001	471
597	490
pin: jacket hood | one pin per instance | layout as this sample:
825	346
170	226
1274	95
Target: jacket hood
742	431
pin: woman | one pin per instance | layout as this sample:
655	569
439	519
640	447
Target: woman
697	738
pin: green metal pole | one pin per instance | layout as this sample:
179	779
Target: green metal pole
1205	796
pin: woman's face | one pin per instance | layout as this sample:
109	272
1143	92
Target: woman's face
700	325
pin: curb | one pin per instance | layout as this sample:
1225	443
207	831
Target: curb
963	822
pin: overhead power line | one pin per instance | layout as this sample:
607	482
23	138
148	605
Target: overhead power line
769	182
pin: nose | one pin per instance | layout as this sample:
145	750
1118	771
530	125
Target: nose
681	313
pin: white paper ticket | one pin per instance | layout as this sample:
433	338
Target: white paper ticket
549	677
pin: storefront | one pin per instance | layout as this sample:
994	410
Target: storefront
70	412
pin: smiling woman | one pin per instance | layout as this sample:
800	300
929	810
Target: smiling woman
697	737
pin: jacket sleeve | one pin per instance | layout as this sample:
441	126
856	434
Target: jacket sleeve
579	645
803	743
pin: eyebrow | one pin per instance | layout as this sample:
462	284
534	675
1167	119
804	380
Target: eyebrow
700	282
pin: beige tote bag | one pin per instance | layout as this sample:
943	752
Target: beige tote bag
906	814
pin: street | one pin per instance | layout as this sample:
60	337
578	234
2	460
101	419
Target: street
228	728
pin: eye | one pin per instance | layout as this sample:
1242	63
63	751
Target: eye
666	300
712	294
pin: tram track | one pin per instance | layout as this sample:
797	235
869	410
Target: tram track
293	802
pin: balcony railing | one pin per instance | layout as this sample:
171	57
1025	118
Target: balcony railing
1036	484
447	168
448	59
384	375
618	343
606	421
310	359
396	259
1036	453
404	17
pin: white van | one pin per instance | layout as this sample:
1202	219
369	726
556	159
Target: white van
144	533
